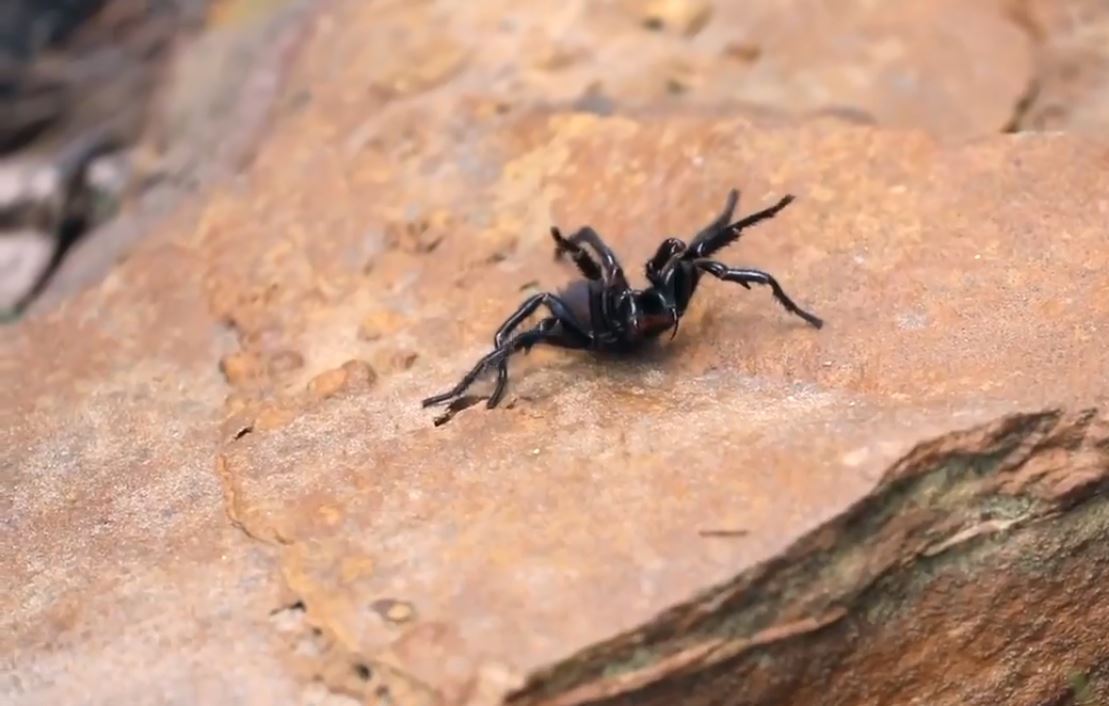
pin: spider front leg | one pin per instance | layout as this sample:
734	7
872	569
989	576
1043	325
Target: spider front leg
561	313
747	277
613	280
561	330
707	241
548	331
586	264
722	220
612	273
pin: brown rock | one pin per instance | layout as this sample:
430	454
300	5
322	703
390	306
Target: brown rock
273	417
359	373
686	17
1071	83
24	259
127	584
352	375
927	335
286	361
908	504
328	383
242	367
394	611
391	360
378	324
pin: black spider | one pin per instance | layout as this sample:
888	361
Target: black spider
602	312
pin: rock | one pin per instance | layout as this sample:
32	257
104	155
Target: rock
125	581
25	257
752	452
901	65
686	17
395	360
351	375
621	491
284	362
379	324
749	513
242	367
94	75
273	418
1068	89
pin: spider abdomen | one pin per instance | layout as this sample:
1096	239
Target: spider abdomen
579	297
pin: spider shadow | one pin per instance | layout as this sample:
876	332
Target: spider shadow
664	353
620	367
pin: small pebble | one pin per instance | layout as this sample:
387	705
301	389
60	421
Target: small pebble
328	383
394	611
350	375
686	17
241	367
273	417
286	362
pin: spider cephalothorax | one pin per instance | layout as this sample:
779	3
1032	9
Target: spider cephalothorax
602	312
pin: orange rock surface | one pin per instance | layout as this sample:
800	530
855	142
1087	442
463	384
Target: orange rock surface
219	485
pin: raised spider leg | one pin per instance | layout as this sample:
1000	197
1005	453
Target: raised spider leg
494	357
561	313
552	335
545	332
586	264
712	242
612	274
611	271
720	221
665	258
747	277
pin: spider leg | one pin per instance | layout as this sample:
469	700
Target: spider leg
710	242
613	280
586	264
720	221
547	332
611	270
561	313
748	277
552	331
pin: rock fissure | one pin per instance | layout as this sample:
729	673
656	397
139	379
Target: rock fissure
1022	15
887	533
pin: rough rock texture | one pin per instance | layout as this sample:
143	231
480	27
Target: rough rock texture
219	486
76	82
1070	83
106	116
595	485
211	113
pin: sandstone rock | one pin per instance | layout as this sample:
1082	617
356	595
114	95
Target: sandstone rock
1069	87
351	375
686	17
379	324
608	484
123	581
597	502
284	362
24	258
273	418
901	64
907	504
241	368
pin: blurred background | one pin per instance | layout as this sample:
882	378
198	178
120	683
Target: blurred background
123	107
111	106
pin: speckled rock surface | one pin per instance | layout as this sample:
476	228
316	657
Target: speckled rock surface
220	486
1071	77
